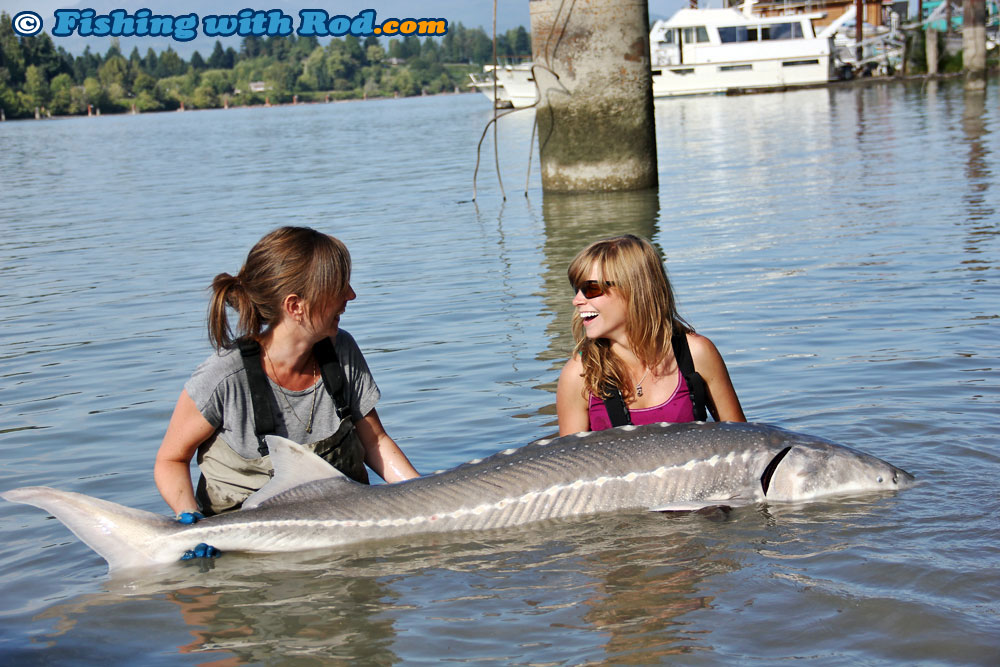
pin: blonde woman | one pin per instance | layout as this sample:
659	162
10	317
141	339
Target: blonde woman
291	371
636	361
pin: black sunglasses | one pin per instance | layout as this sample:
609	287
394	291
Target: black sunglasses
591	288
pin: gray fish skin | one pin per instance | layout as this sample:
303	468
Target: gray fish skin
656	467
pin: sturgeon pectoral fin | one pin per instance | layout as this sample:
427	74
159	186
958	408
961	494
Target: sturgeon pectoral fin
294	465
765	478
696	505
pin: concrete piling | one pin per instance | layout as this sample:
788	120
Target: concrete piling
595	110
974	43
931	50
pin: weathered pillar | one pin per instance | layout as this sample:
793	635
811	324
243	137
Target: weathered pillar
595	110
859	31
974	43
931	48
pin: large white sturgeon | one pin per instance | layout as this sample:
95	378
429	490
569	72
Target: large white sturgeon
310	505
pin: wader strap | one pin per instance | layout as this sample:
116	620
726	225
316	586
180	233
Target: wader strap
695	383
333	376
260	391
615	405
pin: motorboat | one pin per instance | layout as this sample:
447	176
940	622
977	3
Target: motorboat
699	51
514	85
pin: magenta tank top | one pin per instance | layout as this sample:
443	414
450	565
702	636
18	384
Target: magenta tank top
677	408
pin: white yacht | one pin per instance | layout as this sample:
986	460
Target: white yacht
718	50
699	51
515	85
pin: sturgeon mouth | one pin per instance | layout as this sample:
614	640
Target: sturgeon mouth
765	479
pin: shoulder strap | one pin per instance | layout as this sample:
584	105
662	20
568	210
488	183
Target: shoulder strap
260	392
615	405
695	383
333	376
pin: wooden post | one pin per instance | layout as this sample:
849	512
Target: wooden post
931	48
595	110
859	30
974	43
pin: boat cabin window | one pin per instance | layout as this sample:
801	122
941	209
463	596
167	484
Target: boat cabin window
774	31
737	33
695	34
668	37
781	31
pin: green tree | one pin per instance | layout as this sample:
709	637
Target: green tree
12	63
61	90
520	41
95	95
282	77
375	54
36	87
218	58
143	83
114	72
252	47
314	73
170	64
151	63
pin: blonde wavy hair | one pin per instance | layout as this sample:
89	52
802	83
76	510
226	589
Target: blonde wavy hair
288	260
637	271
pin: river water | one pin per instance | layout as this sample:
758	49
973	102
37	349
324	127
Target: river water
840	246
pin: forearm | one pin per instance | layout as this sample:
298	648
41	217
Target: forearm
382	454
390	462
173	479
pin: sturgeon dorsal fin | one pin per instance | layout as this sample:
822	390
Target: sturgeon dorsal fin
765	479
294	465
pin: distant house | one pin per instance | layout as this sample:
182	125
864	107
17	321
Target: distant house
259	86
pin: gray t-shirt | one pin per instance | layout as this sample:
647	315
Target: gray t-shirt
220	389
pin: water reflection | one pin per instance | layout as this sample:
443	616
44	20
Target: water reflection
611	585
982	225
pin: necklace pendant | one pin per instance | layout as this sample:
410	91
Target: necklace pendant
309	429
638	390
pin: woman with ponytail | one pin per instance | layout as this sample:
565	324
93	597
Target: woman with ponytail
287	369
636	361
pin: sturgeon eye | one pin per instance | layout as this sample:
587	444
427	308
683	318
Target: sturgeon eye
879	479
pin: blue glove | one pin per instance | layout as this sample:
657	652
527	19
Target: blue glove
201	551
188	518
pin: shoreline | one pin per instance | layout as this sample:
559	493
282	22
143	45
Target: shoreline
98	114
864	81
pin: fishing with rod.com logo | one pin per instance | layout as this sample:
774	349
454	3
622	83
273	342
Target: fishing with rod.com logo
245	23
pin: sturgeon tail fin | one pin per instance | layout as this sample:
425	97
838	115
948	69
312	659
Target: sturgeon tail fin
123	536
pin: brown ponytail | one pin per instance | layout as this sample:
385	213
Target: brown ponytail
288	260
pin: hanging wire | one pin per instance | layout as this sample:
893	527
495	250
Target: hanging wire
496	125
538	96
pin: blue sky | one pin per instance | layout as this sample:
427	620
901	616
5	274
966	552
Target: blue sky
471	13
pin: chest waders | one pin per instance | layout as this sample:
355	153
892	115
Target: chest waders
227	478
615	403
